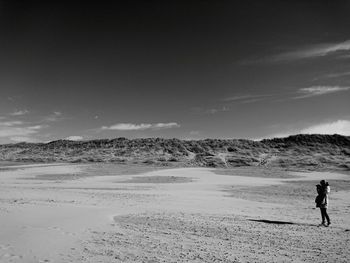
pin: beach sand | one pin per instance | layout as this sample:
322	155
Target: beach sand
119	213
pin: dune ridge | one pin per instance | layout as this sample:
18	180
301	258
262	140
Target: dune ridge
308	152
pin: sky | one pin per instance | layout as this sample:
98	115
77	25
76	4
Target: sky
173	69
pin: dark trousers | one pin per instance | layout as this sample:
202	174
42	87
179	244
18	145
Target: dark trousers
324	215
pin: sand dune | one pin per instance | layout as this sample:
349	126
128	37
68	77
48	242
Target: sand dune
303	152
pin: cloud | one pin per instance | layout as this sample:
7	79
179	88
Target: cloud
252	100
217	110
341	127
168	125
37	127
337	127
19	112
341	49
246	97
142	126
314	51
335	75
226	102
127	127
318	91
74	138
10	123
235	98
23	139
55	116
14	129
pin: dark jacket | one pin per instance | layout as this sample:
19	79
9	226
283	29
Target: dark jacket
322	195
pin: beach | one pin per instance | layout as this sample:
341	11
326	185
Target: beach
121	213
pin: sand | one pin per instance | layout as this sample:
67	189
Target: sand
111	213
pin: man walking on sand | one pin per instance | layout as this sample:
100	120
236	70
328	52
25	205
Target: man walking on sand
323	189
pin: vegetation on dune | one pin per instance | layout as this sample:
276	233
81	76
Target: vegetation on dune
300	151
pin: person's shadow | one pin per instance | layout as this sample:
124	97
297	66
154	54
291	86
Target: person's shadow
279	222
276	222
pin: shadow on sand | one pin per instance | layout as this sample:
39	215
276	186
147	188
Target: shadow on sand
272	222
279	222
297	224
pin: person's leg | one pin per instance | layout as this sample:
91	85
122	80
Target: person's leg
327	216
323	215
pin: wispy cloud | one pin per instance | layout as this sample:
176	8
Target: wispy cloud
340	49
237	98
127	126
37	127
10	123
335	75
74	138
217	110
246	98
165	125
19	112
226	102
141	126
214	110
313	51
55	116
252	100
23	139
318	91
13	129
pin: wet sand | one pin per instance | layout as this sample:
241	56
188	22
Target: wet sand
108	213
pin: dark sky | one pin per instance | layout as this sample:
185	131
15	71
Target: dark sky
186	69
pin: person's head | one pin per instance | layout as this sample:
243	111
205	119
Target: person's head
323	182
